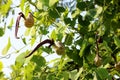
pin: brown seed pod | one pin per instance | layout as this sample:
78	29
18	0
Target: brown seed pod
59	48
100	40
29	22
97	60
117	66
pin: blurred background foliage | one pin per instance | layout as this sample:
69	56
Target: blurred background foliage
86	28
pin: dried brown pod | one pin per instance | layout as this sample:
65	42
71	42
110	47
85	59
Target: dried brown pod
29	22
59	48
100	39
98	60
117	66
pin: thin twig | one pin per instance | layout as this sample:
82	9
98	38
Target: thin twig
97	48
7	56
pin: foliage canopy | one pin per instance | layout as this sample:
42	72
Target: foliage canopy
87	28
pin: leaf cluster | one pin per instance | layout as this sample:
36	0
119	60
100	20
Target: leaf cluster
88	28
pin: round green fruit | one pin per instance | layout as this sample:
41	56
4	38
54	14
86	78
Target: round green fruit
91	40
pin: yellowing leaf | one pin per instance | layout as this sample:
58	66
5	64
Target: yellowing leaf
11	23
27	32
22	4
5	7
21	58
52	2
27	10
39	5
1	65
53	35
32	41
7	47
33	31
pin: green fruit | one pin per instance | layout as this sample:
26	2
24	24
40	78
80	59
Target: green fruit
91	40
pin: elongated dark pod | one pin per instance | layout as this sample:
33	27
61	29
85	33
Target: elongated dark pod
51	42
17	23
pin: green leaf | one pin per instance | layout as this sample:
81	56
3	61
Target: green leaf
43	30
95	77
60	31
67	20
46	49
90	57
39	60
118	57
74	55
0	2
102	73
102	2
7	47
27	32
73	74
65	74
27	9
78	74
60	9
11	23
52	2
82	22
75	13
83	47
50	76
53	35
117	41
32	41
21	59
107	47
99	2
5	7
1	65
92	12
33	31
81	5
22	4
28	71
54	13
44	2
24	40
101	30
68	39
99	11
1	32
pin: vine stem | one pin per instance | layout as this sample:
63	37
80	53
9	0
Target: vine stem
97	48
